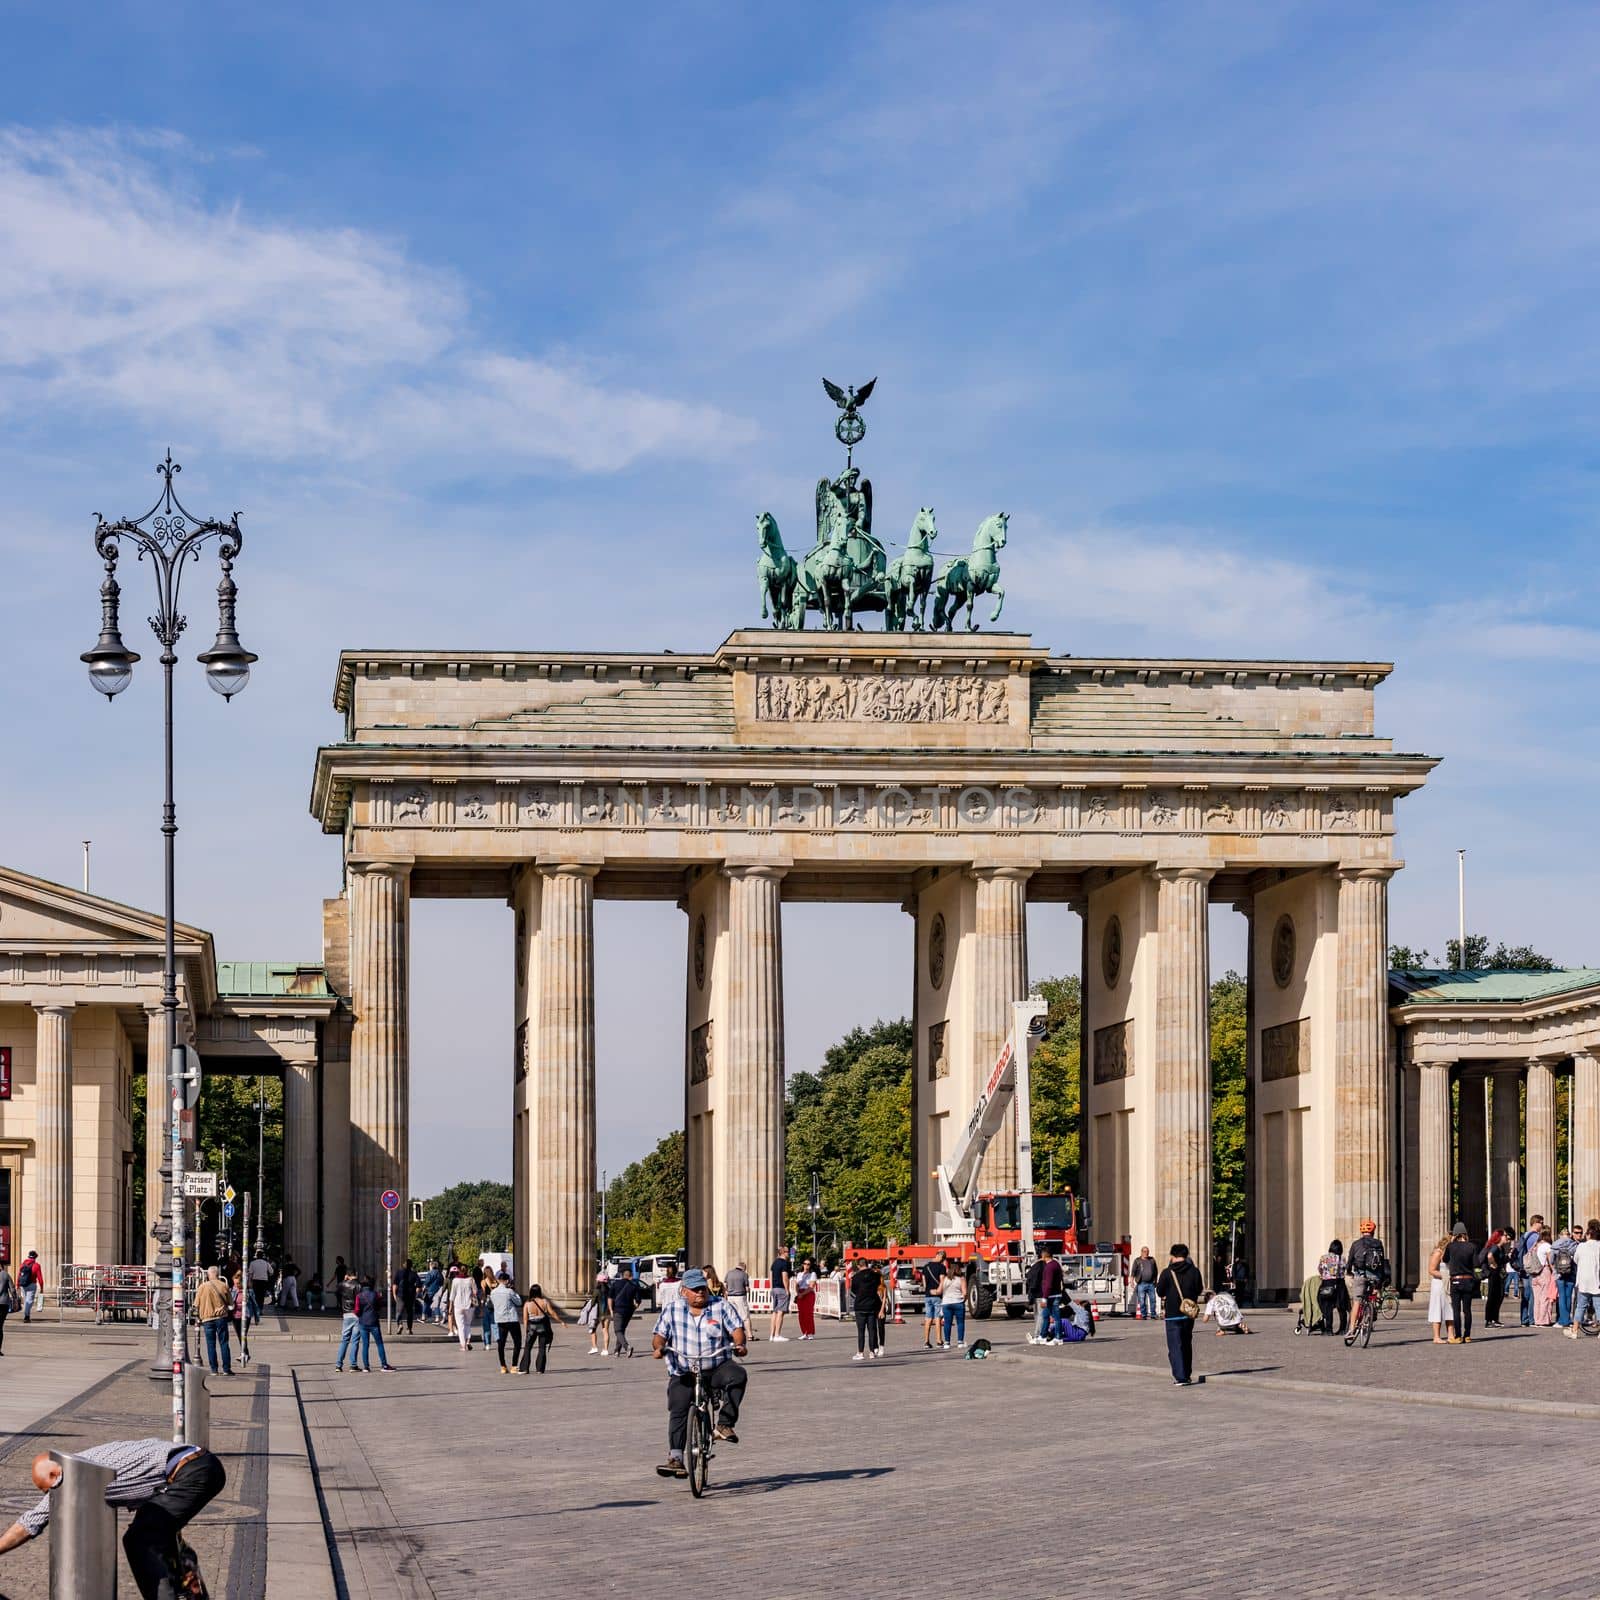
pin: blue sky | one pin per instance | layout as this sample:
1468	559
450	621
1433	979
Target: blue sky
1273	328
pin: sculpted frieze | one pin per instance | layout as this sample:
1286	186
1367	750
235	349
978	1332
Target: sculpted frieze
880	697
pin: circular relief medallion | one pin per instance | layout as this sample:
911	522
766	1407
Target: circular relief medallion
1111	952
1283	951
700	952
936	939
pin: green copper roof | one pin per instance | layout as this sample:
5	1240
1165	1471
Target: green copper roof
1485	986
276	978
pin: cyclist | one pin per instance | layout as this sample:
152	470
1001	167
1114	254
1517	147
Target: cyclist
1368	1264
693	1330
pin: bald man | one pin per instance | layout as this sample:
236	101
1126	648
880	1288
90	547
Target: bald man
165	1484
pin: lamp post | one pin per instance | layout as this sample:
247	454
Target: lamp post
169	537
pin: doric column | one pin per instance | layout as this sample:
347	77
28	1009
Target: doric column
52	1223
157	1108
1584	1157
752	1055
1542	1139
1472	1156
1505	1150
1183	1063
1000	975
380	1058
300	1242
563	1090
1433	1155
1363	1119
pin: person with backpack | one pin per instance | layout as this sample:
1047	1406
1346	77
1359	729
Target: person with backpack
1332	1295
369	1321
624	1302
506	1304
30	1279
1527	1265
1545	1297
1180	1287
1564	1262
10	1299
406	1287
866	1286
1586	1297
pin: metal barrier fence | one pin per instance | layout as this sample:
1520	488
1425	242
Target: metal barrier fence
113	1293
830	1297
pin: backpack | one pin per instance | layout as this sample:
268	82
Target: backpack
1529	1264
1035	1279
1565	1263
26	1273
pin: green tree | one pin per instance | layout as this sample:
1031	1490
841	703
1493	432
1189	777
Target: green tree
644	1203
1512	957
468	1217
1229	1048
1053	1085
226	1128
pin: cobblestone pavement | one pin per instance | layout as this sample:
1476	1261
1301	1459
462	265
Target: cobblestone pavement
1038	1471
229	1536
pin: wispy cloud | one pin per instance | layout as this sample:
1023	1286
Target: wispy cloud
123	290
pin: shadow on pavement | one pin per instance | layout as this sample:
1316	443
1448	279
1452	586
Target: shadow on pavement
793	1480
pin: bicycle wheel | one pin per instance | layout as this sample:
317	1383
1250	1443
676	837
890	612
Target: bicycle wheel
1390	1305
1590	1325
697	1452
1359	1320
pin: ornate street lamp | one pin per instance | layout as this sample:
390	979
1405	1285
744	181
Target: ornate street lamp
169	537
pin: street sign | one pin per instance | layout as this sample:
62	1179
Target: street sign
389	1200
191	1076
227	1210
230	1196
200	1186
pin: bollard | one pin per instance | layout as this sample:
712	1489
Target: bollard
83	1531
196	1407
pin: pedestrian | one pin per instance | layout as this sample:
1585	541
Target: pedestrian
506	1306
624	1296
1332	1295
486	1286
1223	1309
314	1292
596	1316
432	1290
931	1274
1144	1272
259	1279
737	1290
1439	1313
866	1285
1460	1267
289	1286
1528	1266
538	1317
805	1298
1586	1293
715	1288
1545	1295
213	1312
953	1305
1180	1287
462	1299
1495	1254
369	1315
1046	1291
406	1286
782	1277
165	1484
30	1278
1564	1263
345	1290
10	1300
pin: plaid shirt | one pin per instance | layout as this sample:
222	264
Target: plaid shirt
141	1466
707	1338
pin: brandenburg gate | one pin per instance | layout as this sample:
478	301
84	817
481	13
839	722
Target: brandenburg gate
958	775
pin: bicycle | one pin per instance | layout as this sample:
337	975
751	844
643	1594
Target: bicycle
1389	1303
1364	1315
701	1424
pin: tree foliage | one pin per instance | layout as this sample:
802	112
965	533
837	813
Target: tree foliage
1514	957
1229	1048
467	1217
644	1203
226	1131
1053	1085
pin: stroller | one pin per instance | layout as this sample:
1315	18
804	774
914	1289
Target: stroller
1309	1319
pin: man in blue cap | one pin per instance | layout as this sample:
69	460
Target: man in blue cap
692	1330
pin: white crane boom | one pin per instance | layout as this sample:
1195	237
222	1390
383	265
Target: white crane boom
1006	1084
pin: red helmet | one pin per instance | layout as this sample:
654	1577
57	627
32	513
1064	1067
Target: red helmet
1368	1225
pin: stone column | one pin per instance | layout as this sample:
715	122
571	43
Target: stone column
1183	1063
157	1106
1000	975
1433	1155
563	1088
300	1168
1584	1173
1472	1156
1505	1151
52	1222
752	1057
1363	1118
1542	1139
380	1057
